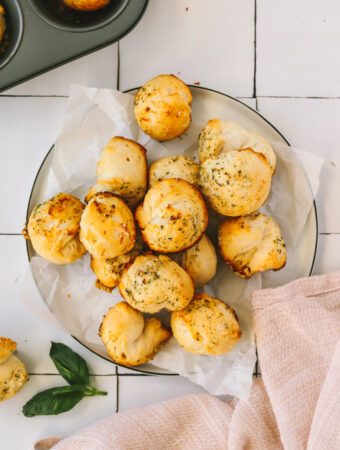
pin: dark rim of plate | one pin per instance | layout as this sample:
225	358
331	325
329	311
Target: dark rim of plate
135	369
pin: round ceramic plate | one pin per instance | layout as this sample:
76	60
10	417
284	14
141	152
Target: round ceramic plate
207	104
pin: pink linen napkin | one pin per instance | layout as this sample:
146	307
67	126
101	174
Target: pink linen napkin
295	406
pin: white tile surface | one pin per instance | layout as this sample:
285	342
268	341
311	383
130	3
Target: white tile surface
20	432
98	69
298	48
312	124
206	42
28	127
187	39
137	391
17	322
328	259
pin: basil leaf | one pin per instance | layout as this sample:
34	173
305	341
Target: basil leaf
73	388
52	401
69	364
88	391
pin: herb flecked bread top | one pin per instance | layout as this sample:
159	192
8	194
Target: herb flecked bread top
221	136
163	107
252	244
236	183
122	170
178	166
129	338
53	228
107	227
154	282
207	326
173	216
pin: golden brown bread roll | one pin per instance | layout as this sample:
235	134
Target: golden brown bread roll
107	227
173	216
129	338
207	326
7	347
2	22
162	107
221	136
86	5
236	183
200	261
122	170
252	244
109	271
13	376
53	228
153	282
178	166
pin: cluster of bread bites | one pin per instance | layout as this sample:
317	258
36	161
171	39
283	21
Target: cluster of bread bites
236	169
159	254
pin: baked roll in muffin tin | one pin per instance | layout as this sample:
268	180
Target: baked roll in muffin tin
42	35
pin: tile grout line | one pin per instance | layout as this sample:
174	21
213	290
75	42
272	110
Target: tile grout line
255	48
117	389
256	374
34	95
58	374
307	97
329	234
118	66
140	375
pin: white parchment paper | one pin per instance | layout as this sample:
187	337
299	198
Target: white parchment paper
68	295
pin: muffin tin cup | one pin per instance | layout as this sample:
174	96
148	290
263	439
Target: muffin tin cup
14	31
48	42
56	14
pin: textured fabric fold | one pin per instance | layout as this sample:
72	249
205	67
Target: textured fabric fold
294	406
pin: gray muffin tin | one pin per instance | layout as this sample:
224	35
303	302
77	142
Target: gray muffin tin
40	39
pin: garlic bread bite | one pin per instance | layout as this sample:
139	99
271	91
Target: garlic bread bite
200	261
7	347
13	374
154	282
221	136
207	326
129	338
86	5
252	244
236	183
53	228
173	216
107	227
109	271
178	166
163	107
122	170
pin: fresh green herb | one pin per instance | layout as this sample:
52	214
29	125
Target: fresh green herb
74	370
47	403
70	365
